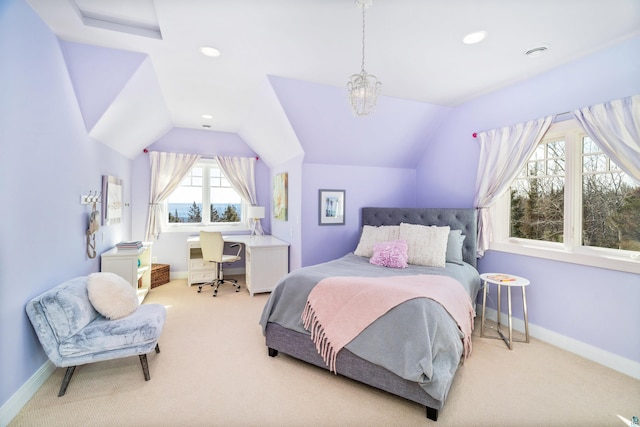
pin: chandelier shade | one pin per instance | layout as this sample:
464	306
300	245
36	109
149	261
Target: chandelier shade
363	88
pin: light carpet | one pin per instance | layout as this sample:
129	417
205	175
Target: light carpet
213	370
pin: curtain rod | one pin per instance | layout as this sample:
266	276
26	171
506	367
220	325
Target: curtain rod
146	151
475	134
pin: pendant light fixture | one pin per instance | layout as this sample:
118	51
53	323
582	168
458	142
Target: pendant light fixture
363	88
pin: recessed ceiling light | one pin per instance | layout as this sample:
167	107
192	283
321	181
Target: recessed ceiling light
537	51
207	116
475	37
210	51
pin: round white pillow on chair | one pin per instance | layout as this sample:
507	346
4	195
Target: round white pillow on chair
111	295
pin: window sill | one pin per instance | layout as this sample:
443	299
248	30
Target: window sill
592	257
196	228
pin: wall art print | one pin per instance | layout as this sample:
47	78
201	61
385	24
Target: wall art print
280	202
112	203
331	206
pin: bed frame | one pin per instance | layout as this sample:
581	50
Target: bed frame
300	346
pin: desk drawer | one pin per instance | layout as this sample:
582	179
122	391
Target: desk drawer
200	264
201	276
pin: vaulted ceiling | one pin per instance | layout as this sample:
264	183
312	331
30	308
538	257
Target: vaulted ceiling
137	69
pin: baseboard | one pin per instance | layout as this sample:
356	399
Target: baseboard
595	354
20	398
177	275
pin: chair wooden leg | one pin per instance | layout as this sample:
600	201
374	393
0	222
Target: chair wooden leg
157	348
65	380
145	367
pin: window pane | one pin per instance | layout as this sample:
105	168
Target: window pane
185	206
539	153
555	149
535	168
226	204
588	146
217	202
555	167
185	203
610	203
537	199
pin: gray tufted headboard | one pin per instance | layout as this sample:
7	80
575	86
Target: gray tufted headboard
456	218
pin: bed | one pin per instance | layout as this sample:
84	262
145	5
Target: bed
428	363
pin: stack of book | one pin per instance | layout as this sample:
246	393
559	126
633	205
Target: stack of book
129	246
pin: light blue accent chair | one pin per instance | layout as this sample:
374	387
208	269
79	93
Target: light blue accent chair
73	333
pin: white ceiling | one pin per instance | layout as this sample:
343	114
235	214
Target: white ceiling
413	46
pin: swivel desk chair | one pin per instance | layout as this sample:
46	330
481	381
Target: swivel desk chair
212	246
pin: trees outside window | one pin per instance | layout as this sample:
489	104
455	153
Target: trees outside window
570	192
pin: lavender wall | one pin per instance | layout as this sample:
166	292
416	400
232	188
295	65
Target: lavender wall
289	230
591	305
47	163
372	158
330	134
364	186
171	248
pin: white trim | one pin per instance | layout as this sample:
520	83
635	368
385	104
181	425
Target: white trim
11	407
625	261
572	250
595	354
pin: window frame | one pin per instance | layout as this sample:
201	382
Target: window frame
190	227
571	250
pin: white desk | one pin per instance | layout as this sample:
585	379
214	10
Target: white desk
266	261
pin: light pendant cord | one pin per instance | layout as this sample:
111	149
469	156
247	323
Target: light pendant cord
363	29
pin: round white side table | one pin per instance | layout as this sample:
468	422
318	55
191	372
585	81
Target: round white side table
508	280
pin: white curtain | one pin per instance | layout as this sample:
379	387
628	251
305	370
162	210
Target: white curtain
615	127
240	171
167	171
503	153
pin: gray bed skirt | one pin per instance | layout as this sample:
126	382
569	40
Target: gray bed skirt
300	346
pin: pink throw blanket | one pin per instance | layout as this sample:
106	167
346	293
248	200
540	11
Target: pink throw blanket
339	308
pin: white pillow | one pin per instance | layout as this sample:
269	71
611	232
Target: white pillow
427	244
372	235
111	295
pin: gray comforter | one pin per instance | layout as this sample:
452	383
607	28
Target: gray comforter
417	340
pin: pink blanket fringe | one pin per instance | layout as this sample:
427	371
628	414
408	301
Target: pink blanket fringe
339	308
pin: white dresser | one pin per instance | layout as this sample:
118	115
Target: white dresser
266	261
133	265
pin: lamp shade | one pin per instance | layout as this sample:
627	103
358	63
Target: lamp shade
255	212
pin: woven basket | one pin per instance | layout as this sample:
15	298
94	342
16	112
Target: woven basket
159	274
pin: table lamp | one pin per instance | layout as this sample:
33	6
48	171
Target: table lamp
255	214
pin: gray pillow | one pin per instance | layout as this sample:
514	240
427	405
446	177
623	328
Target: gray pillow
454	247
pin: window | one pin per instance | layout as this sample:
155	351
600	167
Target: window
571	202
205	197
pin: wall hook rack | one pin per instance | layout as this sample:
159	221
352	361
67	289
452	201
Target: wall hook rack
91	198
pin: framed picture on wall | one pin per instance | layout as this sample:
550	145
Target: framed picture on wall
331	207
280	202
112	203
